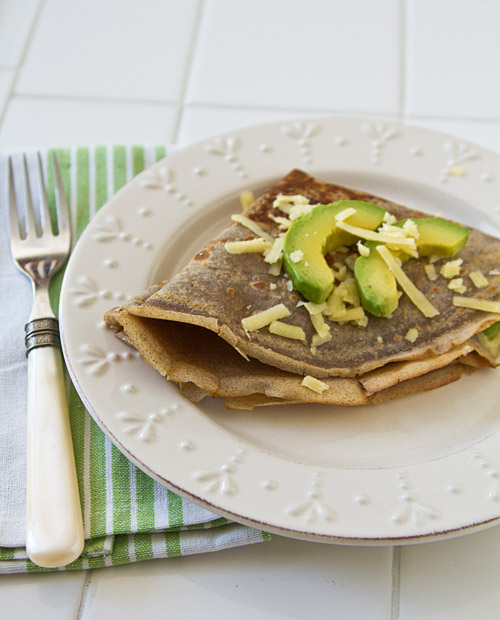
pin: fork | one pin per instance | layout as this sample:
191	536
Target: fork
54	529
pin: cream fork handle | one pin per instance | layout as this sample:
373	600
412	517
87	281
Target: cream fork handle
54	529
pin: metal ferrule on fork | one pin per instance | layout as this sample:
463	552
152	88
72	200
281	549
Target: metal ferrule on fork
41	333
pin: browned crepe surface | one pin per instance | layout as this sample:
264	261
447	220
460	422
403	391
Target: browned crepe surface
217	289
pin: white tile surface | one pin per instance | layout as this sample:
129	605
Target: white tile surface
453	58
306	53
110	48
458	579
60	122
276	580
16	21
55	596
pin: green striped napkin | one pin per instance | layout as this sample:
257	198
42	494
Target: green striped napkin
128	517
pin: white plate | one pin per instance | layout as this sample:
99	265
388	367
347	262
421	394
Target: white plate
421	468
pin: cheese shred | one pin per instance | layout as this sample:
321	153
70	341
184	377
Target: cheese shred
478	279
431	272
415	295
400	239
275	252
294	332
477	304
261	319
246	199
315	384
251	246
322	328
412	334
251	225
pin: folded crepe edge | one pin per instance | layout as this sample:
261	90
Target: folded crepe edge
198	377
430	381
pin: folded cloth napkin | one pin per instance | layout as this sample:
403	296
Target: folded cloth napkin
128	517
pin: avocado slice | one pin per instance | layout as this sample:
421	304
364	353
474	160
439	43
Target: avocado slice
438	237
489	338
313	235
376	284
492	331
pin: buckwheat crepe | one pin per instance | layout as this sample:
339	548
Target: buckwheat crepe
190	329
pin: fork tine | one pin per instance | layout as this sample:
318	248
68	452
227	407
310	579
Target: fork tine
31	228
47	224
61	204
13	212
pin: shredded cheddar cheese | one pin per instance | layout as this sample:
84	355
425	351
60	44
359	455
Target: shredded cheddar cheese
261	319
275	268
352	314
401	240
297	211
285	203
297	256
246	199
294	332
251	246
318	340
451	268
362	249
335	306
389	218
457	284
348	291
431	272
411	228
340	274
412	334
311	307
251	225
275	252
344	214
284	222
477	304
415	295
314	384
322	328
478	279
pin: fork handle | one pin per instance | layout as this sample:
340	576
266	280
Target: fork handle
54	529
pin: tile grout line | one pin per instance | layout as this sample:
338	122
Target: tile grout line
19	64
339	113
402	58
96	99
457	119
396	582
84	595
189	66
264	108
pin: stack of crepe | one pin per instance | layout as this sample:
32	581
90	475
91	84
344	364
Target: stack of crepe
190	328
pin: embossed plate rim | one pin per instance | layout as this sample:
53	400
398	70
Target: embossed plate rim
172	439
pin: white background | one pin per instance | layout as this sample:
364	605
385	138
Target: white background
155	71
